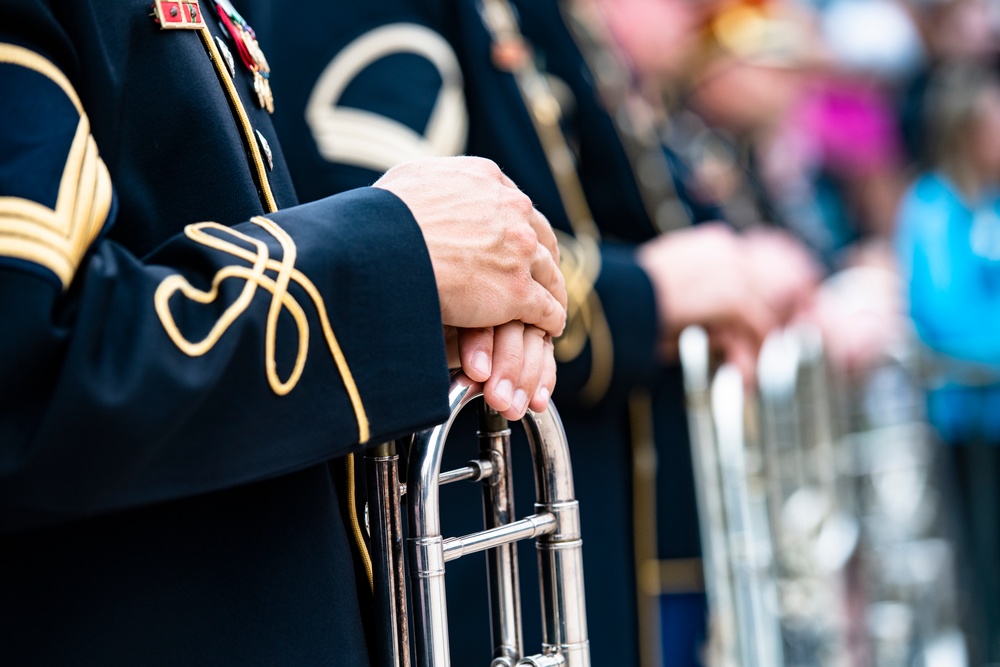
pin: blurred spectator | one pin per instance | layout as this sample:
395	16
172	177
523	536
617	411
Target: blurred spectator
949	248
953	31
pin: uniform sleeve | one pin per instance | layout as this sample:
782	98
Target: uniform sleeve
610	344
230	354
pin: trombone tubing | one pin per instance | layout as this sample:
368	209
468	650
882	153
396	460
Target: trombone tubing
560	551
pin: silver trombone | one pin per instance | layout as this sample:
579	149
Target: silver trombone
744	629
555	526
815	535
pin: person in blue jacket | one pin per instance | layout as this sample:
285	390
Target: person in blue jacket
948	241
187	356
370	85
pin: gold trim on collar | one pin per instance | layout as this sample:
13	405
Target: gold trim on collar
255	276
58	238
257	166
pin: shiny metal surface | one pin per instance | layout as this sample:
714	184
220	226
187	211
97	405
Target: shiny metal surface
555	525
743	627
392	648
500	536
499	518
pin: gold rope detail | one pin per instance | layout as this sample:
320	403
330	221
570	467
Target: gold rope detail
580	261
249	140
254	277
352	510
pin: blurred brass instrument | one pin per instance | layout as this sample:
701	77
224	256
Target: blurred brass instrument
744	629
815	536
820	513
555	526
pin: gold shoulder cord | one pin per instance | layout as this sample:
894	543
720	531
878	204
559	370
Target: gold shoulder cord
636	122
580	252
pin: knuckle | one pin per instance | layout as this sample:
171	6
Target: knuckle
510	357
483	166
552	310
523	205
522	240
532	367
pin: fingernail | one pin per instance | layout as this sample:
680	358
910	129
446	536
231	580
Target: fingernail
505	391
520	402
543	395
481	363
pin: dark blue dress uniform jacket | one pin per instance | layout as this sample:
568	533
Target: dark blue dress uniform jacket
394	68
166	489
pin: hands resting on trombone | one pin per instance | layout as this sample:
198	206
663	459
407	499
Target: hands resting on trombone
739	287
496	264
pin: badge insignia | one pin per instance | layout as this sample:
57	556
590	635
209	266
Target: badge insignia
510	54
227	55
178	14
249	51
266	148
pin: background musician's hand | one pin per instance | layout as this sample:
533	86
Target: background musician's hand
785	274
701	276
494	256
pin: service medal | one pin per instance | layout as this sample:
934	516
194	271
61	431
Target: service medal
249	51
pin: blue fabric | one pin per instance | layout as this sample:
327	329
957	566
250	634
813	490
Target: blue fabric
954	294
684	624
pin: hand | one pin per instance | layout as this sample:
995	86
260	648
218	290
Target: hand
495	257
516	363
783	272
700	276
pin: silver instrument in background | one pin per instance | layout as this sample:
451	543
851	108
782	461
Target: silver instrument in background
908	559
744	629
555	526
815	534
820	511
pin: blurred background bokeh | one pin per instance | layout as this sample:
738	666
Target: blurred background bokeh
870	129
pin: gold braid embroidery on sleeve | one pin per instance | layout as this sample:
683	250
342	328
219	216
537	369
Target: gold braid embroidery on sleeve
255	276
580	264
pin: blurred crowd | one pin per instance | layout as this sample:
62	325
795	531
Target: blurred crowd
868	131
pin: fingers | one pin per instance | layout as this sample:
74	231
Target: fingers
742	353
754	317
542	309
508	350
475	352
546	236
532	364
547	380
524	370
545	271
545	306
